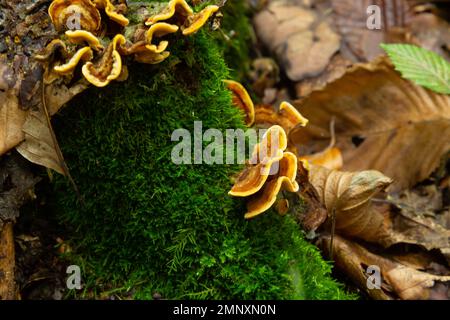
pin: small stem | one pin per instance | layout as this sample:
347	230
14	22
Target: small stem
333	227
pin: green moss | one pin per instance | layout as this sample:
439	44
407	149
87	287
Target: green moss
235	37
152	226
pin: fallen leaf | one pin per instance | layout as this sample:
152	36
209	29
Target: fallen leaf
397	280
348	196
316	213
40	145
335	69
12	118
383	122
303	42
430	32
352	18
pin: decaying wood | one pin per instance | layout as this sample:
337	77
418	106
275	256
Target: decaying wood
7	263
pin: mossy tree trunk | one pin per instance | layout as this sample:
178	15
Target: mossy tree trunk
148	224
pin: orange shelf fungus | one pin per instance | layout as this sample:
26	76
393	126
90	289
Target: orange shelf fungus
159	30
285	179
242	100
180	13
196	21
83	36
151	57
112	11
275	170
49	51
179	9
265	153
272	145
287	116
271	168
74	15
108	67
81	20
84	54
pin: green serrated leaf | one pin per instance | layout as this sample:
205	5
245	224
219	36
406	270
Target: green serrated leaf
422	66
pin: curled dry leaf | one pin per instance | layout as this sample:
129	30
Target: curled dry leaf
12	117
40	145
348	195
397	280
383	122
302	42
316	213
21	75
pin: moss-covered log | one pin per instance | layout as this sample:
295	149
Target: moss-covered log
152	226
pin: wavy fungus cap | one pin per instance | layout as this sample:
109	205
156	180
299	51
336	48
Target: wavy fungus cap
108	67
196	21
175	8
159	29
285	179
242	100
83	54
287	116
74	14
112	11
252	178
83	36
56	45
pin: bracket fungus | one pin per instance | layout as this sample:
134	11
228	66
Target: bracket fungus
179	9
82	22
83	54
275	170
83	36
113	12
74	14
287	116
55	46
242	100
271	168
196	21
108	67
158	30
180	13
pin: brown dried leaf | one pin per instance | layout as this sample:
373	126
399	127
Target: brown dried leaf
40	145
351	18
398	280
335	69
302	42
349	195
316	213
383	122
11	121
